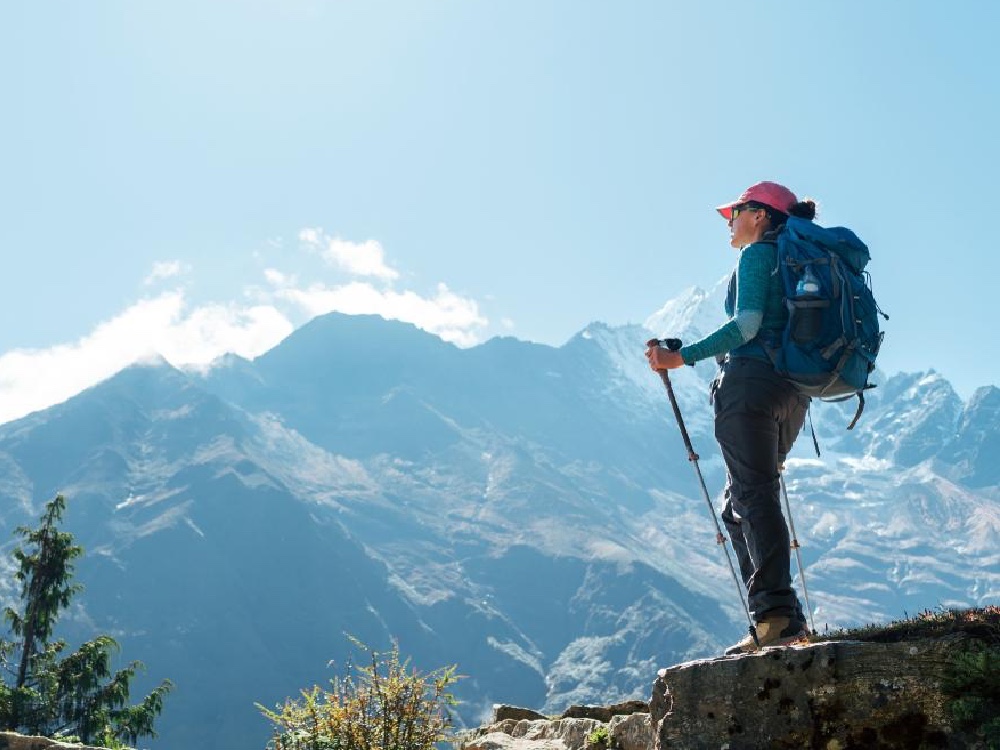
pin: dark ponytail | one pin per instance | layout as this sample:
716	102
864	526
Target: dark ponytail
803	209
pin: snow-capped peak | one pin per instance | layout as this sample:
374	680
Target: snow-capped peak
692	314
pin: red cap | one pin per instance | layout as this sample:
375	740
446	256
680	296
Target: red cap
767	193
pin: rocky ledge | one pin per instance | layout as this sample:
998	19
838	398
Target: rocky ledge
624	725
14	741
834	695
940	692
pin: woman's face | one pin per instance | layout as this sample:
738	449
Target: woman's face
747	226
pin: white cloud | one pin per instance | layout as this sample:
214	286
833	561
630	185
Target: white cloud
311	236
185	334
32	379
165	269
276	277
453	318
356	258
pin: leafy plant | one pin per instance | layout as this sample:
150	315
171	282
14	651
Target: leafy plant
44	692
974	684
599	737
384	705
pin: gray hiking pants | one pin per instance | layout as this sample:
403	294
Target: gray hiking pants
758	415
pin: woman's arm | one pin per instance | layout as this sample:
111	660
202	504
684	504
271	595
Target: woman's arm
752	273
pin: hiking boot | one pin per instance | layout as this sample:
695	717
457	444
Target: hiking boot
771	631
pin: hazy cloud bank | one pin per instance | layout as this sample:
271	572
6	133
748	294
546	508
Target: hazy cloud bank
193	334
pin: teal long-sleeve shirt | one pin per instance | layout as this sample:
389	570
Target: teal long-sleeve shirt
755	303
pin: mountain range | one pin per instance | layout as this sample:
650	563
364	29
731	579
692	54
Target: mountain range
526	512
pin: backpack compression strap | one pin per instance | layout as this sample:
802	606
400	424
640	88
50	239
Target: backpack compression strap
861	408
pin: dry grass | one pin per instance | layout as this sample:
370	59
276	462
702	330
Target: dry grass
981	623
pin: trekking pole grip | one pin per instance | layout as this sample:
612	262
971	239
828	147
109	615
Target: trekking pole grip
671	344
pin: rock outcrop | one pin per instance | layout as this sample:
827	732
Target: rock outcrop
834	695
14	741
625	726
908	693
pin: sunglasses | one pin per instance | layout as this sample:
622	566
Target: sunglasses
737	210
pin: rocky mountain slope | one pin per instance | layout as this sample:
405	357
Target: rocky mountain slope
527	512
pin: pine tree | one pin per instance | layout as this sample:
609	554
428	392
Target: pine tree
44	692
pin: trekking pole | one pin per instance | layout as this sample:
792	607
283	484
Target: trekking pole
795	546
673	345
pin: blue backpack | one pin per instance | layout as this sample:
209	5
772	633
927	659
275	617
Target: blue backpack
829	346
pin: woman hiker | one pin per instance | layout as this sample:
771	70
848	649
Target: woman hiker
758	414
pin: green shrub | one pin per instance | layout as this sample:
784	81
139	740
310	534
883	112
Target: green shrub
599	737
974	684
382	705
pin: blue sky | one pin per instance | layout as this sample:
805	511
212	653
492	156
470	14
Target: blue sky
193	177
